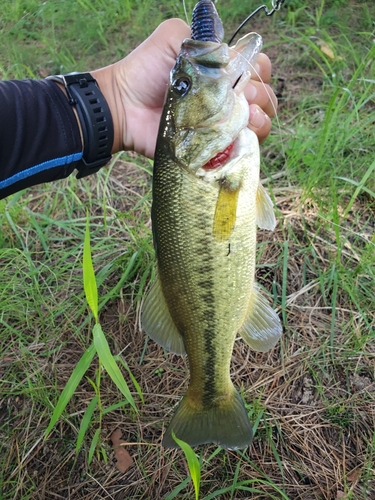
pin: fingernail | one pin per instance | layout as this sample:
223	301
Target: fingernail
257	118
257	69
251	92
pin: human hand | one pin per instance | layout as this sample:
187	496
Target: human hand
135	89
261	98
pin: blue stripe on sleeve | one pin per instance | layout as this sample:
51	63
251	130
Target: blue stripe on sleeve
46	165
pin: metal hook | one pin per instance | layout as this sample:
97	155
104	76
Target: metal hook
276	5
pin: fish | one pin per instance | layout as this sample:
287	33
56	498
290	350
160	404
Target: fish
207	204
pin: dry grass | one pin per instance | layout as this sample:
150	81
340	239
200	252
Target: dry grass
314	399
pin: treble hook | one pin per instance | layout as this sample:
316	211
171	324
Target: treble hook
276	4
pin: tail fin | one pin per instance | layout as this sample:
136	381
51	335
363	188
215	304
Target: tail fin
226	425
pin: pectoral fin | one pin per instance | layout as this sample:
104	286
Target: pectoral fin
157	321
262	328
265	216
225	213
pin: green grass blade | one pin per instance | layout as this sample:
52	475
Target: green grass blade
134	380
243	486
235	477
14	229
109	363
114	407
93	445
214	453
130	269
274	449
174	494
257	420
193	464
357	184
285	280
360	187
89	281
71	386
86	422
218	493
334	304
39	231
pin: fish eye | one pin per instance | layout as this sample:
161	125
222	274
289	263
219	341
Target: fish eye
182	85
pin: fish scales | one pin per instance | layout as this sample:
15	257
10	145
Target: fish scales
204	228
201	276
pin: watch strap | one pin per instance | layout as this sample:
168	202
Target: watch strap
95	118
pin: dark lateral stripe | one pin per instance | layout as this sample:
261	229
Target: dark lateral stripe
210	332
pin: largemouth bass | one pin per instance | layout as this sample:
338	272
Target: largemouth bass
207	202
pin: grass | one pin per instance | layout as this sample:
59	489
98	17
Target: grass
311	399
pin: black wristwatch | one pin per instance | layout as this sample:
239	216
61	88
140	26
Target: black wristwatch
95	117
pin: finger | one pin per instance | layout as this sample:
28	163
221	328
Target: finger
259	122
150	63
169	35
262	69
262	95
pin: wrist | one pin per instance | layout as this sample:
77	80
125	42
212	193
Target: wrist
62	88
107	84
94	119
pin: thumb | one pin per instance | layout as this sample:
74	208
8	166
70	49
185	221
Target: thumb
168	37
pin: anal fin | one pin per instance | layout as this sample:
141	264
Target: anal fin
157	322
262	327
265	216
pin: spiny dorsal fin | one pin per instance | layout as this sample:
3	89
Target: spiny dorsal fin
157	321
265	216
262	327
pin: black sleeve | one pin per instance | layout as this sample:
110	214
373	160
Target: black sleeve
39	135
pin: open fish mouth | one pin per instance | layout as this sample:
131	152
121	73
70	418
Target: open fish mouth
234	150
228	157
220	159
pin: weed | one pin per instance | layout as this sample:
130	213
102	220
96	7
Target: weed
193	464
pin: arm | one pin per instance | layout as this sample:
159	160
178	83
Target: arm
40	139
39	135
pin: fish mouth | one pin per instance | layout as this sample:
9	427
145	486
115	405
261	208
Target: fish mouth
232	152
219	159
218	164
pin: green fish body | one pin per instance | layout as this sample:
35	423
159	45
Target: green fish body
207	202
